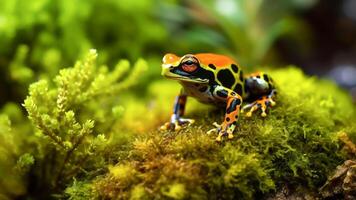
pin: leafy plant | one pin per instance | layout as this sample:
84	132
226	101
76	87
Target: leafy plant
39	38
245	29
68	116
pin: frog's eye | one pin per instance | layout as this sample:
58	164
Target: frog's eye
189	66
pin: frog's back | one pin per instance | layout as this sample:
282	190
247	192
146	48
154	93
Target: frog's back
226	71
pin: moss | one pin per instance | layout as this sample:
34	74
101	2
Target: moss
174	191
73	118
123	155
297	144
80	191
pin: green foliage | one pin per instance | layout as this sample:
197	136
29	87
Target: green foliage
240	27
79	191
92	140
10	182
24	163
92	135
39	38
245	29
68	116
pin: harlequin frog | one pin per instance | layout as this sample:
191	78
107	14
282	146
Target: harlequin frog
219	80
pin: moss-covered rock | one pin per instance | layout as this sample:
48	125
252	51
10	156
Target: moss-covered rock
123	155
296	145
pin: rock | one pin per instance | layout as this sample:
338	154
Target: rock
342	184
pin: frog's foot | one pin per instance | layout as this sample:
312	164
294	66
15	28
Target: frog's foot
222	130
214	130
262	103
177	124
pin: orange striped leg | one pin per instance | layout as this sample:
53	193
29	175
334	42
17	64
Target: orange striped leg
233	105
262	103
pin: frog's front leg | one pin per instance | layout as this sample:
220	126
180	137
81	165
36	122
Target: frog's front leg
260	88
176	120
233	103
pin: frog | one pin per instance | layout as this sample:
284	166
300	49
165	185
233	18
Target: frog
218	80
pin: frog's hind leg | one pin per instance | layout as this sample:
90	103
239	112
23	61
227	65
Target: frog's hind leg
233	103
262	103
261	87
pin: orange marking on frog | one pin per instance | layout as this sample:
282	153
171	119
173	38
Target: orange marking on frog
170	58
217	60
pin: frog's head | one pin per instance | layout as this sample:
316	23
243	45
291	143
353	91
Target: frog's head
186	68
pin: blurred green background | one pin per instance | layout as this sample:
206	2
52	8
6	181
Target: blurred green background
38	38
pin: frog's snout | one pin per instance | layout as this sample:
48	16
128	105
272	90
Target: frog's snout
166	68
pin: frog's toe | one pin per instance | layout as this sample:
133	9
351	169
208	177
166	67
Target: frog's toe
176	125
218	139
222	131
261	104
230	135
253	107
170	126
220	135
165	126
230	131
214	130
263	114
186	121
272	103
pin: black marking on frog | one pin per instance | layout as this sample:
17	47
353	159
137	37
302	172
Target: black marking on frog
212	66
233	106
265	77
238	89
246	88
226	78
241	76
205	74
227	119
234	68
222	93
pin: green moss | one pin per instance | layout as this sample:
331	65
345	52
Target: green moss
297	144
73	118
80	191
174	191
124	156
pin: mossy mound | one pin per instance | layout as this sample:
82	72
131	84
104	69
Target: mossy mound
296	145
93	139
